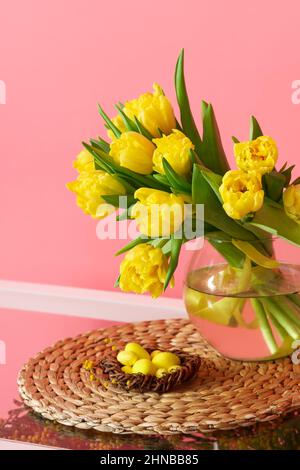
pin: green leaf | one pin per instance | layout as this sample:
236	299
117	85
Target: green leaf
187	120
212	153
222	243
214	181
176	181
296	181
235	140
176	244
106	163
101	144
102	160
129	124
117	283
255	129
274	220
178	126
109	123
274	183
142	130
125	215
115	200
202	193
287	172
194	158
162	179
132	244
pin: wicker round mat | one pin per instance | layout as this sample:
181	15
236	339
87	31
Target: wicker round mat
224	395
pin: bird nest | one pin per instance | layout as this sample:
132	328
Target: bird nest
112	373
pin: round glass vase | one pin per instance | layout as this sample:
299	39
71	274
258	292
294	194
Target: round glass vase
246	304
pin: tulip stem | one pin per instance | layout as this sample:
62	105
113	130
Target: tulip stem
285	305
264	325
280	315
295	298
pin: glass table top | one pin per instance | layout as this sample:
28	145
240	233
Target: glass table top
23	425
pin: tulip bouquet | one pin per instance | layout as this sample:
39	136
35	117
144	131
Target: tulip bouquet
155	159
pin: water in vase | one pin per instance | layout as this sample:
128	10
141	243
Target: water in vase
259	321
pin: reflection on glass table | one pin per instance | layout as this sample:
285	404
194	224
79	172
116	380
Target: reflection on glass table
23	425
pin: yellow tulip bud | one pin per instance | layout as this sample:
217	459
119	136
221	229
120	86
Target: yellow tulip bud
143	366
165	360
153	110
90	186
175	148
241	193
259	155
138	350
160	373
291	202
158	214
127	358
144	269
84	162
132	150
127	369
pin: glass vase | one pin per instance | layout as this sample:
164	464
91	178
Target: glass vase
246	304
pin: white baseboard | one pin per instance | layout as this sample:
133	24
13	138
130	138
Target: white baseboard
89	303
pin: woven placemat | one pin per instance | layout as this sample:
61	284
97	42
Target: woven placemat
224	395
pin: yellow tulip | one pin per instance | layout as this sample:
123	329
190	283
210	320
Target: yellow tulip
153	110
259	155
84	162
291	202
132	150
144	269
90	186
241	193
175	148
158	213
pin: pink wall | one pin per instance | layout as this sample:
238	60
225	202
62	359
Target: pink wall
58	58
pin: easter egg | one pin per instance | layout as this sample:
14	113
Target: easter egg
154	353
127	358
165	360
138	350
161	372
174	369
143	366
127	369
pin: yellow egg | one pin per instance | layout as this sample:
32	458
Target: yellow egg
154	353
127	369
127	358
174	369
143	366
165	360
161	372
138	350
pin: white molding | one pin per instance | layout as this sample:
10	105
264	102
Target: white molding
7	444
88	303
